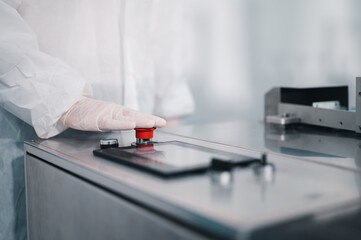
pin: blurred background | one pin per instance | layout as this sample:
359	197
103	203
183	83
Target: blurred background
239	49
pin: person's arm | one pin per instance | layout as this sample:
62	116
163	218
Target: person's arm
34	86
48	94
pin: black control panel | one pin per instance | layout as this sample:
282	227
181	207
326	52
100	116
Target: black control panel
172	158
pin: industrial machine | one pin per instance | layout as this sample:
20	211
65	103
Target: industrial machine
287	179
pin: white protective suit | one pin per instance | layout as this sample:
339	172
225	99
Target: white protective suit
54	52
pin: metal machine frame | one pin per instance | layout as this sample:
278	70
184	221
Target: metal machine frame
284	106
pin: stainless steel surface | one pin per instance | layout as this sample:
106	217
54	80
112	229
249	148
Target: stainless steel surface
243	203
321	145
62	206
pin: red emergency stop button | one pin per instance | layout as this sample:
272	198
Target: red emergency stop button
144	133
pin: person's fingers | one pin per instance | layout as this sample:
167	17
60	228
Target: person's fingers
159	122
141	122
133	113
111	124
145	123
117	112
94	115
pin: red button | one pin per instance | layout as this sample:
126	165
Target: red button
144	133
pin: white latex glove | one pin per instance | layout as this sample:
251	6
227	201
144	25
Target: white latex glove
95	115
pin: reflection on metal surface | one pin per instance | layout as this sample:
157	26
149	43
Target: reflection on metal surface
311	142
221	185
265	173
223	178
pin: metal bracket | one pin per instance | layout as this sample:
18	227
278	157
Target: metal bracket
327	107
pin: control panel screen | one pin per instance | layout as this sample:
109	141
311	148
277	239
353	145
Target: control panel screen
167	158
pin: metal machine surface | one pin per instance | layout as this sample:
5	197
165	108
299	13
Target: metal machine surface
326	146
286	197
323	106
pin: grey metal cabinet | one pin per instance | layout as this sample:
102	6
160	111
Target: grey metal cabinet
307	191
62	205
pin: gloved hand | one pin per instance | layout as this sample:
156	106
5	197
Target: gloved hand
95	115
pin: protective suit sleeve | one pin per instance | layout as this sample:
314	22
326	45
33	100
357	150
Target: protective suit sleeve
173	96
34	86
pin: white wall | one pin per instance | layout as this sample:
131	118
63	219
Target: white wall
237	50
